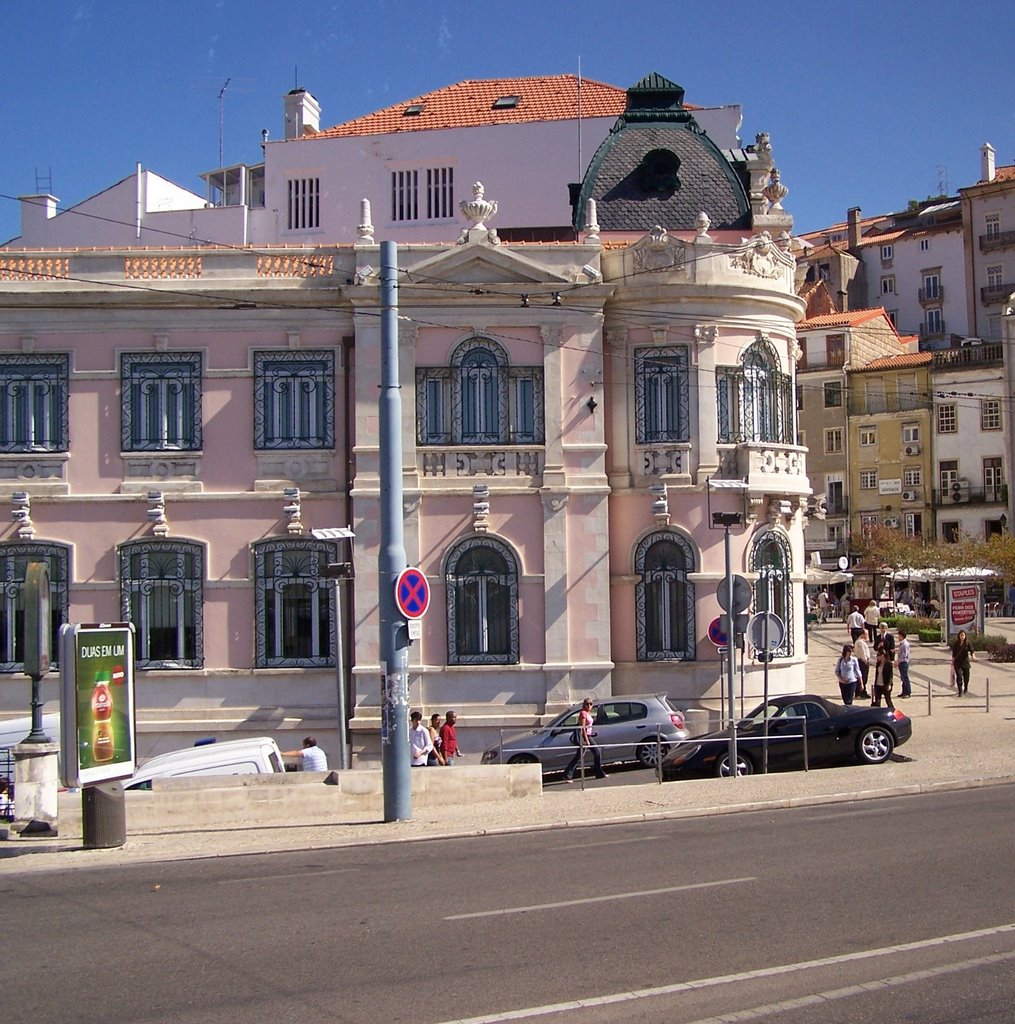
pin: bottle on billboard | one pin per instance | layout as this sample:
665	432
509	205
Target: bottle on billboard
102	713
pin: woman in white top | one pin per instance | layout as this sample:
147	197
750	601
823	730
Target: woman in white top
847	671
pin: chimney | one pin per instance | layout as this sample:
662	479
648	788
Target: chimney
986	162
302	112
853	227
35	211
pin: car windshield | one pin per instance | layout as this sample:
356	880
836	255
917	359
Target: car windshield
801	709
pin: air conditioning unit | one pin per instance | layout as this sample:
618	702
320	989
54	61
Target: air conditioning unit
892	522
960	491
912	449
909	495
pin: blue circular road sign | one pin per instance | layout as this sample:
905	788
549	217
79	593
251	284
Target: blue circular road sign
412	593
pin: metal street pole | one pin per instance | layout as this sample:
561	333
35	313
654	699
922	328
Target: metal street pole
394	635
730	668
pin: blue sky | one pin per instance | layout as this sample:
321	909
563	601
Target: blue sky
873	105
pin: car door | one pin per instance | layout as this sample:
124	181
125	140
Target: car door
620	725
555	746
792	721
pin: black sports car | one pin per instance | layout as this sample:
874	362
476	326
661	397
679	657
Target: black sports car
836	734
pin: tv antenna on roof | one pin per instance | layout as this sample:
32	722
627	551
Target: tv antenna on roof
942	180
222	125
44	182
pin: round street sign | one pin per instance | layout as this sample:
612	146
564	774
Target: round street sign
741	594
412	593
843	563
766	626
716	633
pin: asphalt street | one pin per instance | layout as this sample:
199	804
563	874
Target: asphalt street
896	909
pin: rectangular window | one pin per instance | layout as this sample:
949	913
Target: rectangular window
437	201
835	501
833	394
948	477
33	403
924	244
912	477
14	561
888	285
833	441
992	225
161	401
868	436
833	532
913	524
947	419
994	328
950	533
990	414
935	322
868	479
993	480
868	520
661	388
887	253
799	397
835	349
931	287
910	433
304	203
294	400
995	276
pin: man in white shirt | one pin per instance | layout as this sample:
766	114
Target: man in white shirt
856	624
902	661
312	758
419	740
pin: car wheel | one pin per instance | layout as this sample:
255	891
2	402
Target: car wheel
875	745
523	759
646	753
745	766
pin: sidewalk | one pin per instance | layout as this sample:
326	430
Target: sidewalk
958	745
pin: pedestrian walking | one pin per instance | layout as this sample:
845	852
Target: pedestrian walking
871	618
883	680
885	640
862	653
436	757
902	660
584	734
962	655
823	605
420	744
449	739
855	624
847	671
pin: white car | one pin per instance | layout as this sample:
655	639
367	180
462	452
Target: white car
255	755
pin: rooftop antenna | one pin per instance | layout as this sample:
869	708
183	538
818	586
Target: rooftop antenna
44	182
942	180
296	76
222	123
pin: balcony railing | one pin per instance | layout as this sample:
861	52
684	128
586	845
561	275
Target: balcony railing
928	330
1001	240
969	355
996	292
932	295
871	405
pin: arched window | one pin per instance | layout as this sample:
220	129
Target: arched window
482	596
14	560
771	560
661	395
755	399
479	399
162	593
295	604
664	598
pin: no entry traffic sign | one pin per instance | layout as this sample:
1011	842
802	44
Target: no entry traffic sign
412	593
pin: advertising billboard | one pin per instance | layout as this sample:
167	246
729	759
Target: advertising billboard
97	706
963	608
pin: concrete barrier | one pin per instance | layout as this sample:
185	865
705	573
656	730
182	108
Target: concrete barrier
295	798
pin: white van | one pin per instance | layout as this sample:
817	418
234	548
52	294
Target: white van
14	730
256	755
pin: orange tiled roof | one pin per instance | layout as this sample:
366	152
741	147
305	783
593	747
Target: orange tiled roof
882	238
469	104
853	318
841	229
899	362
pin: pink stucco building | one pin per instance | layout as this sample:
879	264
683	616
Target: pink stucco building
177	422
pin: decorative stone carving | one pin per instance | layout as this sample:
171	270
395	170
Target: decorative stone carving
156	501
760	258
22	514
662	461
657	251
481	508
705	334
702	223
365	229
294	510
660	504
410	505
476	211
365	275
775	191
554	503
591	224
